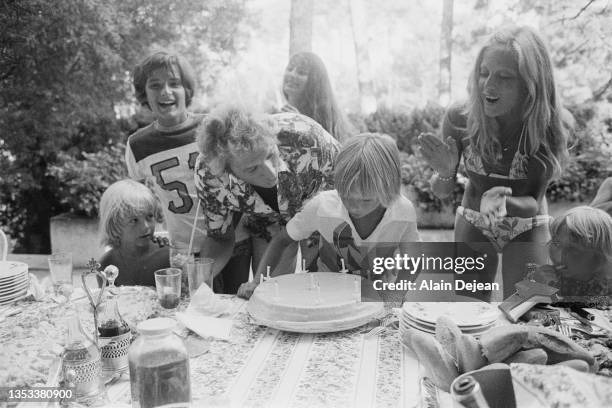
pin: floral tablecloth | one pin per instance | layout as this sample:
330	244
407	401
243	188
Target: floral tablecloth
263	367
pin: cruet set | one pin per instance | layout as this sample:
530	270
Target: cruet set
87	363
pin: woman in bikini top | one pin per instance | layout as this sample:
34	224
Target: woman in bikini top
512	138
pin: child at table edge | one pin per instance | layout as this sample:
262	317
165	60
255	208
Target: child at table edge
128	214
581	254
365	209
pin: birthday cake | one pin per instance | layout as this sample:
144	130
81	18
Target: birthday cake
314	302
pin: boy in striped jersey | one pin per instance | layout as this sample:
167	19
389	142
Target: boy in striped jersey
165	151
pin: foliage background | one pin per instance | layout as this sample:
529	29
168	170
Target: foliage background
66	101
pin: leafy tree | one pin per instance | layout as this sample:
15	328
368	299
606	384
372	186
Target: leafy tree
65	77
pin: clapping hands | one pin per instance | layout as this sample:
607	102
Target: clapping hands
493	202
441	155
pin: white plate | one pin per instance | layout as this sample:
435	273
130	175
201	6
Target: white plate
14	284
462	313
320	327
429	329
11	297
8	269
464	329
11	291
9	280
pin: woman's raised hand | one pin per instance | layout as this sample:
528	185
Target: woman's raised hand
493	201
441	155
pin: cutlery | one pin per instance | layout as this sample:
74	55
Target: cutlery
428	394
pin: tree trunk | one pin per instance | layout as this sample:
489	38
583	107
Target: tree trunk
446	50
362	57
300	26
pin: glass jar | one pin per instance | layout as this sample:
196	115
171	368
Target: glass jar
159	366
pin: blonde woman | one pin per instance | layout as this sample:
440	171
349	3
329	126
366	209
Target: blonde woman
512	135
360	218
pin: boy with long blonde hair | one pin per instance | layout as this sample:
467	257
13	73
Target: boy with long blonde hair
366	216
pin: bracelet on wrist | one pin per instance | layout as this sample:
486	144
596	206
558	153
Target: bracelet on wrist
446	179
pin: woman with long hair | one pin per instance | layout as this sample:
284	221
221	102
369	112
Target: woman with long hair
512	134
307	89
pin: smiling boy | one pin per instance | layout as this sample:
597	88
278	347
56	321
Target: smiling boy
165	151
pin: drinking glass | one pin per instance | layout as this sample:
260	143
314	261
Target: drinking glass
60	268
168	285
179	257
199	270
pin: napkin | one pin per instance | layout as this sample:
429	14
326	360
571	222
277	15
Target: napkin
205	326
199	314
37	290
204	302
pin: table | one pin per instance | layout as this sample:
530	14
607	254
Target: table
260	367
263	367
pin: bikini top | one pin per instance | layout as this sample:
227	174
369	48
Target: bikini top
518	167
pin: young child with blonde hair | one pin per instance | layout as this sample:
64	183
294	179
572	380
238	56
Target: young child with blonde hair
365	217
581	254
128	214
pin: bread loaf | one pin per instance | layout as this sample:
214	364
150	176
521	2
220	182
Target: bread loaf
532	356
447	333
579	365
557	346
438	362
469	354
499	343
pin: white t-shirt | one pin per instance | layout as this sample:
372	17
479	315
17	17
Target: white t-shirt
326	214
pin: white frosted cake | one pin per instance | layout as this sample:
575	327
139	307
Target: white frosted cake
313	302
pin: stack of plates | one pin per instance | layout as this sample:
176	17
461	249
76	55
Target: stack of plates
471	317
14	281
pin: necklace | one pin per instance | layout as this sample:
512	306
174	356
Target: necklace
511	139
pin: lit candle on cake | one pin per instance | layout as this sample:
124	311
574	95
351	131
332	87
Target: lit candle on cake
268	272
343	270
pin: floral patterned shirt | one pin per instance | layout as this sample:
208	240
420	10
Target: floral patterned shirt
307	155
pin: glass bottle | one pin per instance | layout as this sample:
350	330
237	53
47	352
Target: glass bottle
81	364
110	322
114	338
159	366
467	393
